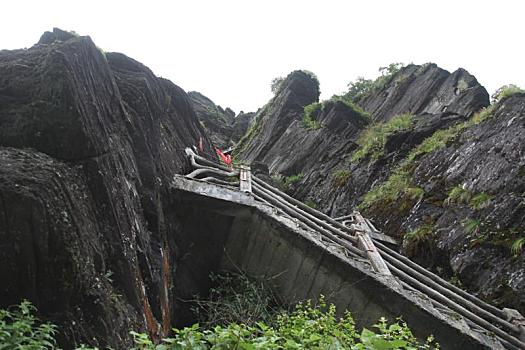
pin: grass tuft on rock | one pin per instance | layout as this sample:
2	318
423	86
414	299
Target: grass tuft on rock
372	141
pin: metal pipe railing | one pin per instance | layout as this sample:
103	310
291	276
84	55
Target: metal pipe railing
269	197
391	254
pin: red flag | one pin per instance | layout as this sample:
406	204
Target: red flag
226	158
201	145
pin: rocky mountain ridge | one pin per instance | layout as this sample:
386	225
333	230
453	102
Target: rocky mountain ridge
404	153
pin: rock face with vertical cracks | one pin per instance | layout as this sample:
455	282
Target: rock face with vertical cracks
88	144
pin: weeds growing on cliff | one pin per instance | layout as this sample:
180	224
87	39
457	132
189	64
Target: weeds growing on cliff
458	194
517	246
311	112
397	189
361	87
505	92
479	200
372	141
471	226
341	177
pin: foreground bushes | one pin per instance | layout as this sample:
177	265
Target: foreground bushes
305	326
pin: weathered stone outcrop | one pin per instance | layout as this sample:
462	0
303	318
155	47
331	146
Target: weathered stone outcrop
481	156
223	127
273	121
426	89
88	144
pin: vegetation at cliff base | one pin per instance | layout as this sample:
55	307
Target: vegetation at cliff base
307	325
21	329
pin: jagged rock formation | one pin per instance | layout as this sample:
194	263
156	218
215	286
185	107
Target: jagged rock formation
222	126
88	144
405	187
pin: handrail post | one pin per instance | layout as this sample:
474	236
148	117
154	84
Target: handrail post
365	243
245	178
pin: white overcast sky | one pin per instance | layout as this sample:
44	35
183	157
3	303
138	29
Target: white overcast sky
230	50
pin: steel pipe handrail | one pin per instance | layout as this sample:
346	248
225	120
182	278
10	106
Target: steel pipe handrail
268	196
335	231
304	207
391	253
431	293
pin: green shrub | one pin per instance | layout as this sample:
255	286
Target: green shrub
311	204
397	189
285	182
310	114
505	92
307	326
276	84
341	177
234	298
517	246
372	141
480	200
20	329
471	225
414	239
292	179
362	87
458	194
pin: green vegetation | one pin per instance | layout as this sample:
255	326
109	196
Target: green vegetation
311	204
480	200
311	113
313	110
276	84
372	141
236	305
399	185
234	298
20	329
461	195
397	189
307	326
471	226
505	92
284	182
341	177
458	194
362	87
414	239
293	178
517	246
